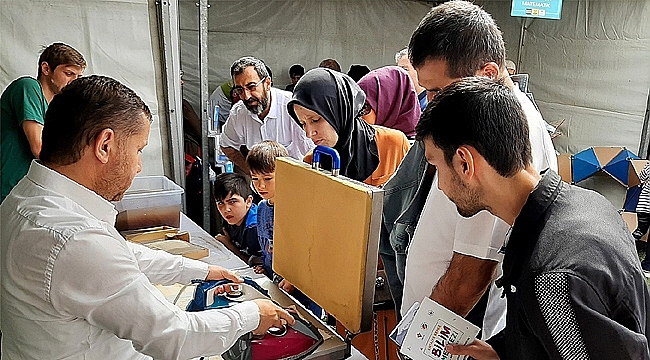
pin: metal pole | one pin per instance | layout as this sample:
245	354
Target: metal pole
203	81
645	133
168	20
522	34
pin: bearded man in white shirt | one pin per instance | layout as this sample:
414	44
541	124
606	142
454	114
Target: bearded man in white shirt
260	115
72	287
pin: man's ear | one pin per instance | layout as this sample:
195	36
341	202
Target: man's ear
464	163
105	145
490	70
45	68
249	201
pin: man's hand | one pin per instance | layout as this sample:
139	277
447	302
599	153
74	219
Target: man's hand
479	350
286	286
271	315
259	269
219	273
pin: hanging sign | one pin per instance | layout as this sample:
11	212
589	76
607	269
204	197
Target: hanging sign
544	9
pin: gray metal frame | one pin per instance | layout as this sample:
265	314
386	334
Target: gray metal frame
167	12
203	85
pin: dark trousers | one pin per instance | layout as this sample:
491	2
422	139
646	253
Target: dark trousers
643	223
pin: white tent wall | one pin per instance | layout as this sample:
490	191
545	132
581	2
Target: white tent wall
588	69
118	38
286	32
591	68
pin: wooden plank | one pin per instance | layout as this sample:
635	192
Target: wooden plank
321	240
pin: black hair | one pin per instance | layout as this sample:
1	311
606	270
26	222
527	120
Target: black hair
85	108
296	69
462	34
231	183
481	113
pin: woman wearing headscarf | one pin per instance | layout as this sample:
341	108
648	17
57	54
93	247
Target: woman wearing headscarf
329	105
390	92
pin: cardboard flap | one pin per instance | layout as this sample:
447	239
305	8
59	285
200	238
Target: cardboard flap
326	239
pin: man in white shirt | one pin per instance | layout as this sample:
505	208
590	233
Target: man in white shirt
452	259
72	287
261	115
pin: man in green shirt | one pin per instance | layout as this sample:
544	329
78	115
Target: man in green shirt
22	110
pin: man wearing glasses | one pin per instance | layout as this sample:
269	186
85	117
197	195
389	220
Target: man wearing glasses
260	115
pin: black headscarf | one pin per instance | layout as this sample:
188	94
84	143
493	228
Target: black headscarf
339	100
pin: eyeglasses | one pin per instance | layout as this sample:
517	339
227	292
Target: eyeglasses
250	87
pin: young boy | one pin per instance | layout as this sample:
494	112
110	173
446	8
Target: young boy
261	162
234	200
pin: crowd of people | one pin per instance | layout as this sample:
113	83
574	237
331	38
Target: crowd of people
475	216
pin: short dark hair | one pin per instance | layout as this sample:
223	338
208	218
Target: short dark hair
296	69
261	158
462	34
231	183
60	54
85	108
330	64
241	64
481	113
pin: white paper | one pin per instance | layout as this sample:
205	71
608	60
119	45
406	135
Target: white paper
432	328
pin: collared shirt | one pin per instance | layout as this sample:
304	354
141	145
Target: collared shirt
246	128
573	280
73	288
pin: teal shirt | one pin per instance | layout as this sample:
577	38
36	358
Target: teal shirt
22	100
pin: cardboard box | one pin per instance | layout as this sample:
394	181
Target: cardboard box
150	201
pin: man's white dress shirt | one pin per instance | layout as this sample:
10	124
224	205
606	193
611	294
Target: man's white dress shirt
246	128
441	231
73	288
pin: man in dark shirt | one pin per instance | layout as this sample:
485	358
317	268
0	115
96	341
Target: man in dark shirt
573	281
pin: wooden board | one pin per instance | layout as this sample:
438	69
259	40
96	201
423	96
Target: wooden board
326	239
179	247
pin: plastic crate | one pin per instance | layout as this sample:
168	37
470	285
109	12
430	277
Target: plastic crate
150	201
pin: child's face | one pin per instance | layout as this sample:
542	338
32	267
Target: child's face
234	208
264	184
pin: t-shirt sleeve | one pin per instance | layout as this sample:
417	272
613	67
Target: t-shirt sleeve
480	236
231	136
28	103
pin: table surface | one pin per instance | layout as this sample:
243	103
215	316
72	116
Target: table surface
332	348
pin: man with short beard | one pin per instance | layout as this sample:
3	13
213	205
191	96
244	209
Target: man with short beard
260	115
22	110
72	287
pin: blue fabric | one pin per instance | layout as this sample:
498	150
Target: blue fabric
422	98
244	236
265	234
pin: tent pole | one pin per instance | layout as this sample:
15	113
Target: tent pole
203	82
168	32
645	133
